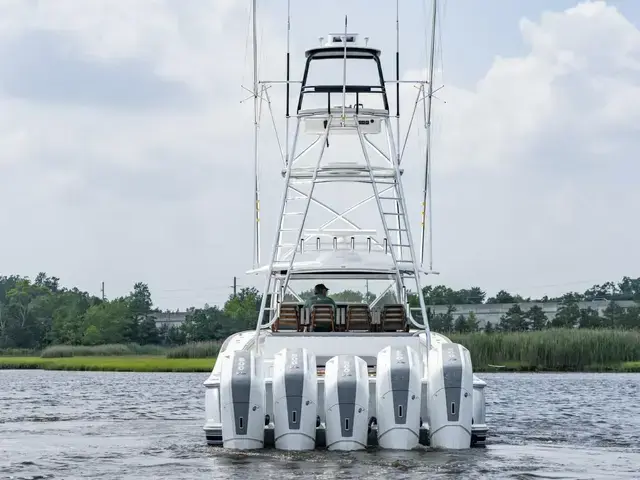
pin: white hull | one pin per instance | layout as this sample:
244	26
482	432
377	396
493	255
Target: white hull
375	361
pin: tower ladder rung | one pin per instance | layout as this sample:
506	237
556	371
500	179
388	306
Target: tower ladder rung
404	245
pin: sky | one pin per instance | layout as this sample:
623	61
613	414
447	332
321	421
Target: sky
125	150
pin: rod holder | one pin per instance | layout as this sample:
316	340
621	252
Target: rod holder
335	243
369	244
317	243
386	250
353	243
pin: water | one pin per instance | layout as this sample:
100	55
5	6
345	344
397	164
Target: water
81	425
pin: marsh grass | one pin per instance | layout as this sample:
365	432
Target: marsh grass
548	350
554	349
18	352
129	349
195	350
138	363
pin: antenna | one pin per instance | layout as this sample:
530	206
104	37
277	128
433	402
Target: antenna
397	159
426	199
398	77
256	205
286	129
344	73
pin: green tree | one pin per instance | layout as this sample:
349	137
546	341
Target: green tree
568	314
460	325
537	318
632	317
350	296
243	309
148	333
23	325
514	320
140	300
589	318
112	320
443	322
613	315
505	297
209	323
473	325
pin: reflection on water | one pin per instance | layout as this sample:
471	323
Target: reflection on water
73	425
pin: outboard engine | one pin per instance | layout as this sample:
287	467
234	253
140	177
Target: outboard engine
242	397
295	395
450	396
346	400
398	387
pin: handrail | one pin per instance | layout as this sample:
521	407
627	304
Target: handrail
338	89
422	326
269	324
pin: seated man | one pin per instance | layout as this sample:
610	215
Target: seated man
320	298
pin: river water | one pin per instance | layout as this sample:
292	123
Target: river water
81	425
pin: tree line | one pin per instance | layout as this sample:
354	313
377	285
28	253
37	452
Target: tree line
38	313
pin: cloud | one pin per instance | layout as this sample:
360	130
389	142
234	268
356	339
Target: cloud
576	90
534	168
126	155
39	66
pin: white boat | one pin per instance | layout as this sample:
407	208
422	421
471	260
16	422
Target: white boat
368	373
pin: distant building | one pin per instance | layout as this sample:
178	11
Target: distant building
170	319
491	312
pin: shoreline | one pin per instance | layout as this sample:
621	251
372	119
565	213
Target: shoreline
159	363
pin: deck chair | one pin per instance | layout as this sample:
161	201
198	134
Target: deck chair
322	316
358	317
394	318
289	318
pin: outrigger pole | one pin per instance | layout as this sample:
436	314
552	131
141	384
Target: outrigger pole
256	113
286	143
426	199
397	159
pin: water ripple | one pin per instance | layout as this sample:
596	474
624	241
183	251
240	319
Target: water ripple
68	425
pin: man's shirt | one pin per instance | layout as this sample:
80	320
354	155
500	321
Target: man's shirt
320	300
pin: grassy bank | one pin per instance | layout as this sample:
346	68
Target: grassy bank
138	363
563	350
192	357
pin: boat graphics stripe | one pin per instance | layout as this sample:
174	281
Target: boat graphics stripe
452	376
293	386
400	370
347	388
241	390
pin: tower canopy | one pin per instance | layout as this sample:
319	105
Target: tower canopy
348	67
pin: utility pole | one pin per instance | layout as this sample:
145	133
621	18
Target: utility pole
102	289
